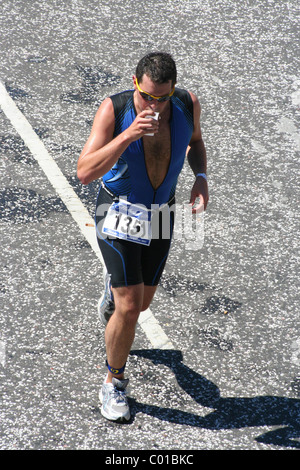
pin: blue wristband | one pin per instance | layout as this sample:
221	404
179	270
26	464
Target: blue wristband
202	174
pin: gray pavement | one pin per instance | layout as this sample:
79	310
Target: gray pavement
230	308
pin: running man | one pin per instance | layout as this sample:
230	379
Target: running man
138	159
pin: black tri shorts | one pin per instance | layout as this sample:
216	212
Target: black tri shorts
130	263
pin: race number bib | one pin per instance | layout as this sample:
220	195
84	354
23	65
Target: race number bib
127	221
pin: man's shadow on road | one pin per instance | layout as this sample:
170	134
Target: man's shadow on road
229	413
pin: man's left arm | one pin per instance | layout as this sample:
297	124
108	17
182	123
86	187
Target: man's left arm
196	155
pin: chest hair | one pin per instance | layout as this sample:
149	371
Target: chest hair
157	150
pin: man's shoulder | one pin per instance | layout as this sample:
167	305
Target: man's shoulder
181	93
121	99
184	97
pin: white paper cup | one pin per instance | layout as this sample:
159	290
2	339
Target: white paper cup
153	117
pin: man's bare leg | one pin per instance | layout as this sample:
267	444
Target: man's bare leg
120	330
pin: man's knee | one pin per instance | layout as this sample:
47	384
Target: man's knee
128	303
146	304
149	292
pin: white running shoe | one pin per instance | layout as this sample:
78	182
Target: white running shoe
114	401
106	305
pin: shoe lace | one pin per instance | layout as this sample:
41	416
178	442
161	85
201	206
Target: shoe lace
119	395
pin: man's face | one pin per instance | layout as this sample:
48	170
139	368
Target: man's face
154	89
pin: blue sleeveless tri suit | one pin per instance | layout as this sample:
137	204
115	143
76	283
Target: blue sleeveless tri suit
129	175
127	262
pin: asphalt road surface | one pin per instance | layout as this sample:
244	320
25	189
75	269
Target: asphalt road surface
225	375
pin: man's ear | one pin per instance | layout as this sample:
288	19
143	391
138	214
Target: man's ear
134	81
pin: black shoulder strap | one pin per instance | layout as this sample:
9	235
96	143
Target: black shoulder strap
184	97
120	99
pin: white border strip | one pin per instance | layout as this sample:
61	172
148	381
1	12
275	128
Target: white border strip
147	321
2	353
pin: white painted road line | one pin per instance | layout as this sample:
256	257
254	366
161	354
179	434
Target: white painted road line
2	353
78	211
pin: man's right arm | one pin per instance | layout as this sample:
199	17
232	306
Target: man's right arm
102	150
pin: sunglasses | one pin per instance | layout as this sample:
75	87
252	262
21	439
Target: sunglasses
160	99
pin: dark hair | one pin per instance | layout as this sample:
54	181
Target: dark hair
158	66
